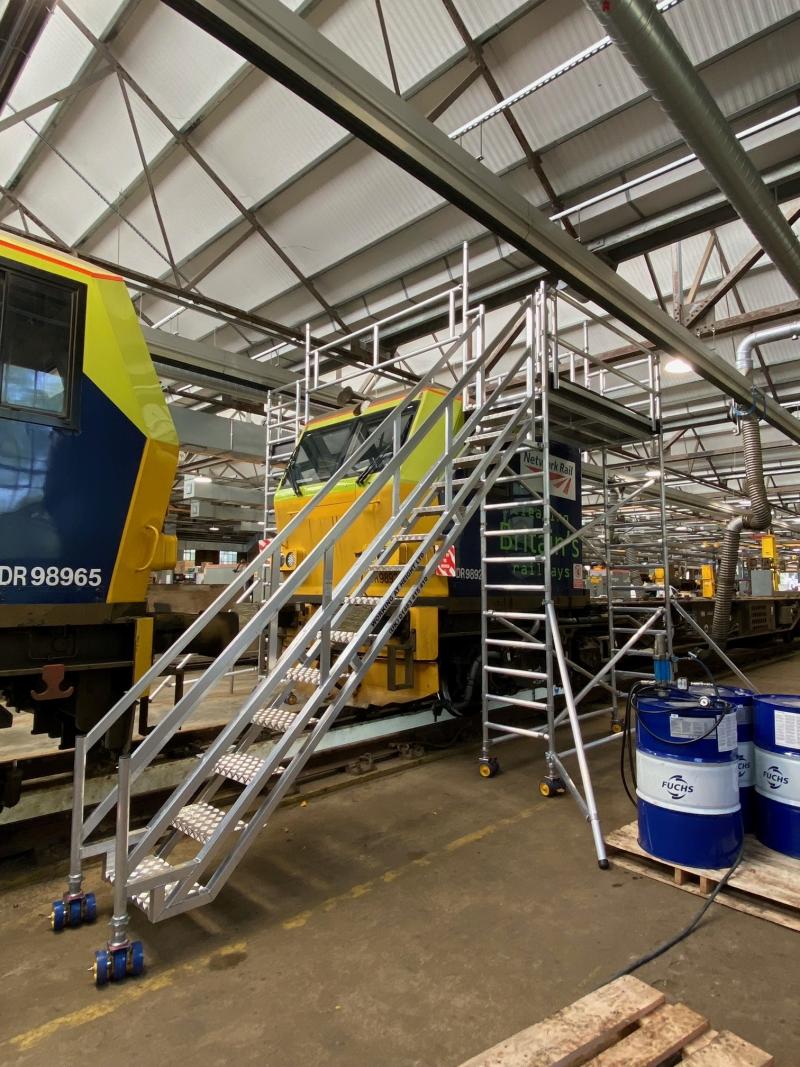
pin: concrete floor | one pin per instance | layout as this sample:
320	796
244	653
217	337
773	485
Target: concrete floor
412	920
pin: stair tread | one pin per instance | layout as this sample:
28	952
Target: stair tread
368	601
308	675
343	637
276	719
241	767
200	820
149	866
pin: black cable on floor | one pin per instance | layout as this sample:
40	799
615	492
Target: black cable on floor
666	945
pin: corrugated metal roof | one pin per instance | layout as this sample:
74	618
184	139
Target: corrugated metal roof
708	28
149	48
421	37
253	143
346	204
479	17
353	220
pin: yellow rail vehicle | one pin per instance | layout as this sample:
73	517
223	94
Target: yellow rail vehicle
437	650
409	670
88	453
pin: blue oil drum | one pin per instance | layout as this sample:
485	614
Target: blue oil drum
777	770
687	778
741	701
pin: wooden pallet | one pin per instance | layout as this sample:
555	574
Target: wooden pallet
626	1023
765	884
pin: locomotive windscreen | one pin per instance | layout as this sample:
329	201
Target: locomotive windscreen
37	344
322	451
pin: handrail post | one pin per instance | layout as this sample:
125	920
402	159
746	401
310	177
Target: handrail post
464	285
448	448
325	635
272	626
396	445
480	378
308	363
75	878
119	920
586	350
555	357
530	346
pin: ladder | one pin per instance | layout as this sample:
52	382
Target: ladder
316	674
283	421
533	634
636	548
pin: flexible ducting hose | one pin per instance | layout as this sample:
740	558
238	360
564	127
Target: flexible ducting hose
760	514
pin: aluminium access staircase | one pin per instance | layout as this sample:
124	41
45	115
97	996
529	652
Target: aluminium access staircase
312	680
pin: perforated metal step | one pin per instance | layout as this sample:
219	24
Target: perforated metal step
342	637
148	868
200	820
307	675
278	720
239	767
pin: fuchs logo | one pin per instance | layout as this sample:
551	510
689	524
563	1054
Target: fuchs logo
774	777
677	787
744	766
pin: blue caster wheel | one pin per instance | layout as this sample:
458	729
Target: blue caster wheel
119	964
115	962
102	967
89	908
136	959
58	916
73	910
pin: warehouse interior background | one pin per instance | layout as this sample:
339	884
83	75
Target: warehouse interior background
299	242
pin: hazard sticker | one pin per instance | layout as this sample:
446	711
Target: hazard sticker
447	564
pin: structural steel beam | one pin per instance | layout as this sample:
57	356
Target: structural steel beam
655	54
202	364
279	43
92	78
732	277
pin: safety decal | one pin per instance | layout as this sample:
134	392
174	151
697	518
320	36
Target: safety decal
447	564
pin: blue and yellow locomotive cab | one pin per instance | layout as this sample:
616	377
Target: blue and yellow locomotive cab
88	453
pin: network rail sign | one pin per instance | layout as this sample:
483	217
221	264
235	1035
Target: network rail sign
525	513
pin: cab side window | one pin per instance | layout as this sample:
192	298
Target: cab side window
40	330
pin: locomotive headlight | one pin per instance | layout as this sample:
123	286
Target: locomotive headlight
291	560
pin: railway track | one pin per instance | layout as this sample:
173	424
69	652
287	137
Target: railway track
38	828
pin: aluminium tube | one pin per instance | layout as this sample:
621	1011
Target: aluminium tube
642	34
760	513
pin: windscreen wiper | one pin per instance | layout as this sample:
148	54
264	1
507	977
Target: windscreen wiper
370	468
291	474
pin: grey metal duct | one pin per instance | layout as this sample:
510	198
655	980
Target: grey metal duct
760	513
20	26
651	48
